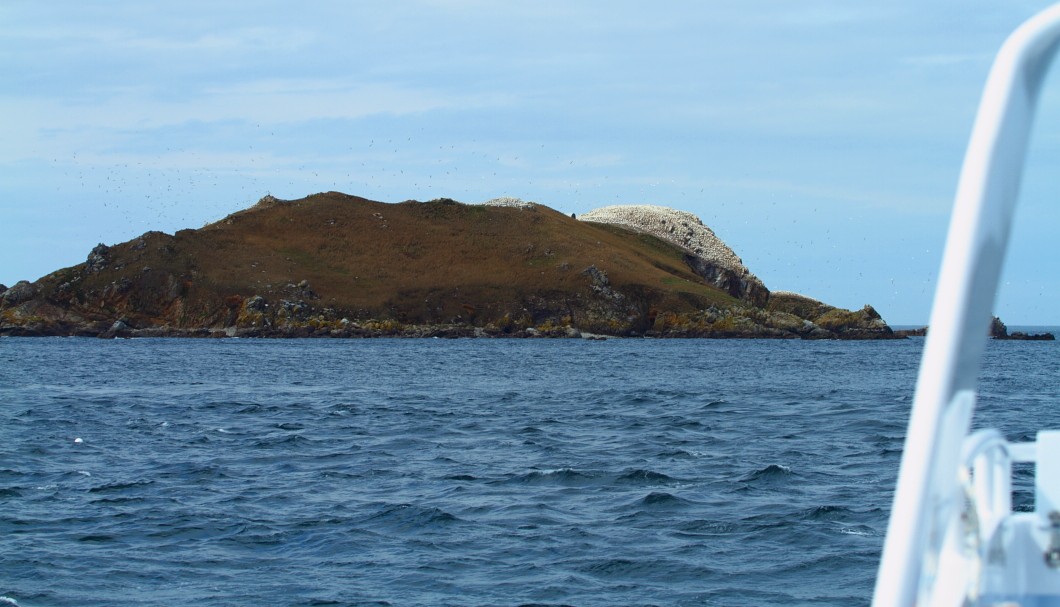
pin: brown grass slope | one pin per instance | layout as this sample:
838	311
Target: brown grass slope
331	261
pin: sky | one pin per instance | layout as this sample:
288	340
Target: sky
820	139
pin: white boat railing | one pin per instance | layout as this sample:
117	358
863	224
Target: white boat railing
1015	556
931	555
986	477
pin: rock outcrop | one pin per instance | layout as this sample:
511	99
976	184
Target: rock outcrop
21	292
1021	336
865	323
508	201
97	258
998	330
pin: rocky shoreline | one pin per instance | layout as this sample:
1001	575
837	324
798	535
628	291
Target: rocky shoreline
729	325
254	317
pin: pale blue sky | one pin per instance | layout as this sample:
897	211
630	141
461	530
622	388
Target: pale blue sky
820	139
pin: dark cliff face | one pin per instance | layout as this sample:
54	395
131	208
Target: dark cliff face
739	285
338	265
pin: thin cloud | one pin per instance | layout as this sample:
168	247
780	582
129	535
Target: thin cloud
124	40
265	102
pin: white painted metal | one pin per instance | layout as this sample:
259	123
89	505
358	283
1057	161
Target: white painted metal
923	534
988	456
1047	473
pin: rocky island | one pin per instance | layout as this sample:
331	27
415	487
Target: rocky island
335	265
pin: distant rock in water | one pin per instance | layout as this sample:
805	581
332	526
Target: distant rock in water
998	330
918	332
709	257
1021	336
334	265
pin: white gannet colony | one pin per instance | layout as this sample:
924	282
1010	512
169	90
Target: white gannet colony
679	227
508	201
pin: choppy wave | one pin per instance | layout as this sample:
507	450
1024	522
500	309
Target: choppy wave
409	518
768	473
662	499
564	476
396	472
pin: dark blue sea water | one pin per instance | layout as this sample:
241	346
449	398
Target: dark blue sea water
463	472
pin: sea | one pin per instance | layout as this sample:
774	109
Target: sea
249	472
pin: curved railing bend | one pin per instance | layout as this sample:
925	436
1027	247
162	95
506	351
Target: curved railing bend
978	236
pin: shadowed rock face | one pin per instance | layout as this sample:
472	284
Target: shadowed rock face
337	265
707	256
740	285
